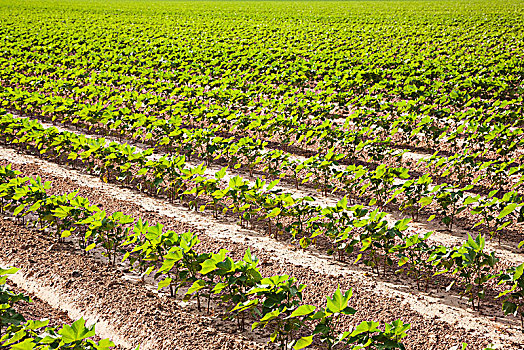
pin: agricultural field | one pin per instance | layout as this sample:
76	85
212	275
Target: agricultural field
261	175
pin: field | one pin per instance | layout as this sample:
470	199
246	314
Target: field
261	174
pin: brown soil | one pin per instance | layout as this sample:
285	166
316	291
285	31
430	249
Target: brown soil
438	321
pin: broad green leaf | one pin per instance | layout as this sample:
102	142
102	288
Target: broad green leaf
77	331
508	209
303	342
302	310
339	301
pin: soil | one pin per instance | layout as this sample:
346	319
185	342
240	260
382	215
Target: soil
439	320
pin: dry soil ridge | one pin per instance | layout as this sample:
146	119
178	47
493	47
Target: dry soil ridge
426	305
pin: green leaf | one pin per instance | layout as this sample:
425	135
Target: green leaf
247	256
519	271
338	302
221	173
303	342
32	325
19	209
302	310
105	344
425	201
9	271
208	266
509	308
470	200
77	331
365	327
472	243
27	344
270	316
273	213
164	283
196	286
508	209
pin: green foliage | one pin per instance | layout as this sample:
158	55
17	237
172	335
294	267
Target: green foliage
18	334
212	90
471	263
513	302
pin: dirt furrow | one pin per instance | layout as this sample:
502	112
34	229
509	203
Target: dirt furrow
440	235
387	298
128	313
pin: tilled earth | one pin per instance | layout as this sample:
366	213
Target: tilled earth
39	309
134	312
142	316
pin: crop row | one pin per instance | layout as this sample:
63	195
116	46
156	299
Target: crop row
17	333
175	176
155	115
414	68
347	228
484	149
274	301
